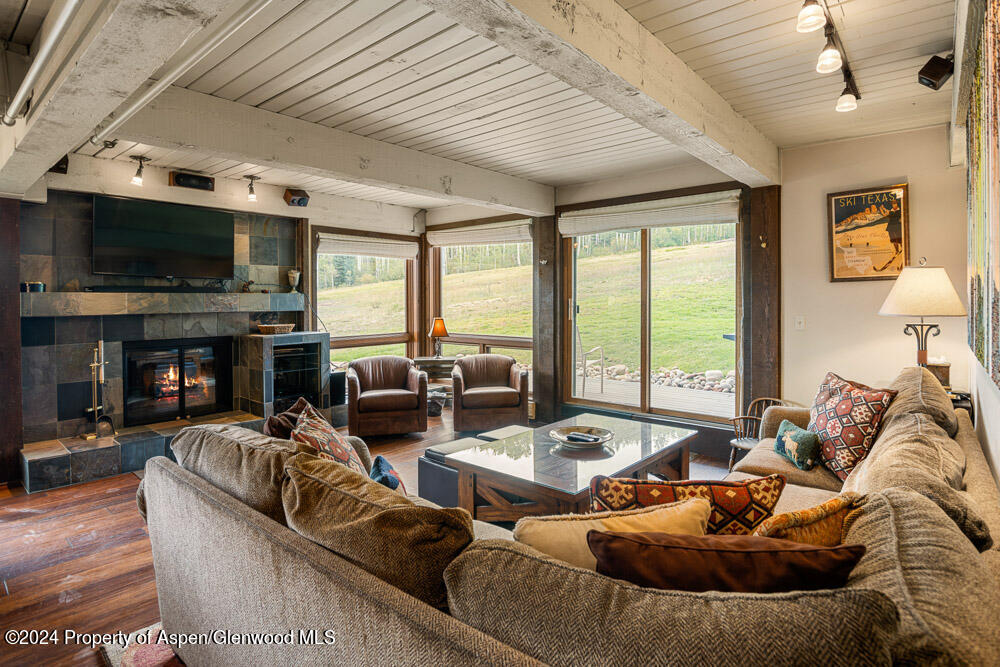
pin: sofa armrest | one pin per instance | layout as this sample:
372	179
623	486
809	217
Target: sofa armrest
416	381
353	386
519	380
362	449
457	381
775	414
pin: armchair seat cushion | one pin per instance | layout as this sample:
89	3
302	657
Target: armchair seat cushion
387	400
490	397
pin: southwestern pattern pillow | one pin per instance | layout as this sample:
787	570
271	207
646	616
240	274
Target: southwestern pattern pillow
312	429
822	525
845	416
383	473
798	445
737	507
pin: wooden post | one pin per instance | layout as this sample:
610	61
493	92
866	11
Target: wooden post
10	341
762	295
546	318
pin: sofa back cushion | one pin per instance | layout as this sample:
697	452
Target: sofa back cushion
376	528
245	464
382	372
915	452
563	615
948	599
918	391
485	370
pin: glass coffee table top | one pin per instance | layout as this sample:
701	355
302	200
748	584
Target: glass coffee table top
536	457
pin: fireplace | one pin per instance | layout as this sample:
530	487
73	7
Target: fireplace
176	379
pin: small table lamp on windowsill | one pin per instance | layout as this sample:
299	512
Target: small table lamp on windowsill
438	331
923	291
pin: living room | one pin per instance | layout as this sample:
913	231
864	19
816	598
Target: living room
399	331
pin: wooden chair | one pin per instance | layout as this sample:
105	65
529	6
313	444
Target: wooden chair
746	427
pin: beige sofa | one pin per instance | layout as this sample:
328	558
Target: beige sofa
924	591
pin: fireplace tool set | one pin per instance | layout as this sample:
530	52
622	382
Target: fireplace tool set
103	426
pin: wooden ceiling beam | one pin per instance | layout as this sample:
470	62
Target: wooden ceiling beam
184	118
597	47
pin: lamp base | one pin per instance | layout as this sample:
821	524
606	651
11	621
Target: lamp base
922	332
437	348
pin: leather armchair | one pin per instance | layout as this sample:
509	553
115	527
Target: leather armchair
385	395
490	391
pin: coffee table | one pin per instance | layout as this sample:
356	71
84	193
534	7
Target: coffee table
530	474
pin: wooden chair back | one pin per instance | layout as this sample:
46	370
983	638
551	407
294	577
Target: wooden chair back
748	426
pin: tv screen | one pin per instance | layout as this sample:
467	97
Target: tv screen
135	237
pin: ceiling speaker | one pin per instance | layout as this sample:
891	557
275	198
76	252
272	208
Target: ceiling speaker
182	179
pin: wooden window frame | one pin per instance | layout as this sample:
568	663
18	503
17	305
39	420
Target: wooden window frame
411	287
645	324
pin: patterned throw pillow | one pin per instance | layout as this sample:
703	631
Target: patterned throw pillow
737	507
798	445
822	525
312	429
845	416
383	473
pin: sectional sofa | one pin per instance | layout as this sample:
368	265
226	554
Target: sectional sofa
926	591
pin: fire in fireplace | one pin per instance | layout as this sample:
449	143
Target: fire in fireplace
175	379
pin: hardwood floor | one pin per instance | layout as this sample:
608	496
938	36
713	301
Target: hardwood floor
79	557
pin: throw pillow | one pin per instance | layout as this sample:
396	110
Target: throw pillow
822	525
737	507
383	473
312	429
845	416
798	445
729	563
281	425
565	537
380	531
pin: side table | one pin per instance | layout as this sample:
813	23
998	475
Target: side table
435	367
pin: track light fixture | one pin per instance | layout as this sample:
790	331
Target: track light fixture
830	59
142	160
848	100
811	17
251	195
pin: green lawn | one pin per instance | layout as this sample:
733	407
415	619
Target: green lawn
693	305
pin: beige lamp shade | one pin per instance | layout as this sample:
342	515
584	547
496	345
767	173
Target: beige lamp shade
923	291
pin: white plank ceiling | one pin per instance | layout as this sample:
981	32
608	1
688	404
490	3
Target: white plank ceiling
396	71
749	51
21	19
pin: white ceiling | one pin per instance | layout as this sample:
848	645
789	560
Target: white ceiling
21	19
749	52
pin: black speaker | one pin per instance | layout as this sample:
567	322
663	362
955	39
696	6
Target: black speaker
295	197
936	72
182	179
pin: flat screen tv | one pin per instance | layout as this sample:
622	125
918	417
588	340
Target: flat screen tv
135	237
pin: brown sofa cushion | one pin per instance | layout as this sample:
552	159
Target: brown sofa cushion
915	452
918	391
948	599
376	528
734	563
762	460
485	370
387	400
563	615
490	397
386	372
245	464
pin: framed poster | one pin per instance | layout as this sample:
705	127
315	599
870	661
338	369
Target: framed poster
869	233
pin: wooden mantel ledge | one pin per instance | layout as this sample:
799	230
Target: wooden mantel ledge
74	304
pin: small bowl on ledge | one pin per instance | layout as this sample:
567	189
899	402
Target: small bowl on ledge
581	437
272	329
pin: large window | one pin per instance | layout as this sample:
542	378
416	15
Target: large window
486	289
362	290
653	309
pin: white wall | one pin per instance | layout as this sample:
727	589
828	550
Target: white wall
986	398
843	331
671	178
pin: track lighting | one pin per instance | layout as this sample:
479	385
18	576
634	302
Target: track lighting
811	17
848	100
141	159
829	58
251	195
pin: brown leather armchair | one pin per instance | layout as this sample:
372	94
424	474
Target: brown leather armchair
490	391
385	395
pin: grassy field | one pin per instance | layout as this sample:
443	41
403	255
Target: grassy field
693	305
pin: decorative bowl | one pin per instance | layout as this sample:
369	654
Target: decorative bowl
561	435
271	329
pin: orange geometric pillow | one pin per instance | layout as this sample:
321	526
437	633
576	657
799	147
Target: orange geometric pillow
312	429
822	525
737	507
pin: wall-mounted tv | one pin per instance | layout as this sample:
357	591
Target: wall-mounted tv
136	237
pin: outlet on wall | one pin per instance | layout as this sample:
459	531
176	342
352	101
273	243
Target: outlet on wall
800	322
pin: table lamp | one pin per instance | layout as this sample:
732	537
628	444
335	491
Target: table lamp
438	331
923	291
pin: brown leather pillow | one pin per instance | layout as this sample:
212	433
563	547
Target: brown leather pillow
731	563
282	425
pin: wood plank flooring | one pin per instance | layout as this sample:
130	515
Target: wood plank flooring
79	557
